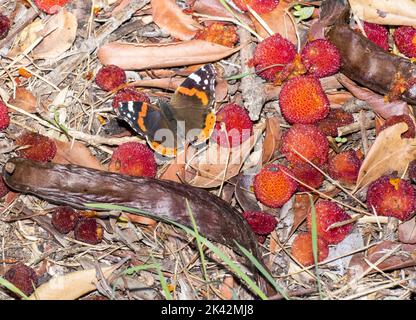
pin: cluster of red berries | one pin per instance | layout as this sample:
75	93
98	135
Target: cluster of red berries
86	229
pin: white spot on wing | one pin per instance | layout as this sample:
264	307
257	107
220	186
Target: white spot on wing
130	106
195	77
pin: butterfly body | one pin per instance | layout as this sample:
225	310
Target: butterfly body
188	117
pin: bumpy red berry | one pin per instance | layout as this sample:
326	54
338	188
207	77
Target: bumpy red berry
345	167
308	175
110	77
135	159
309	141
50	6
237	124
321	58
328	213
260	6
37	147
392	197
4	26
378	34
64	219
302	249
335	119
129	94
273	187
405	39
89	231
271	51
4	116
23	277
410	133
260	222
302	100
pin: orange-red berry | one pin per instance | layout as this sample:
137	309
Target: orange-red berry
302	249
110	77
260	222
237	124
378	34
88	231
64	219
405	39
392	197
50	6
335	119
302	100
308	175
135	159
344	167
22	277
129	94
37	147
328	213
273	187
274	50
309	141
321	58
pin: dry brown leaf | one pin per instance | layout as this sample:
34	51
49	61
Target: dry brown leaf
388	153
338	98
388	12
70	286
278	21
215	8
171	19
58	33
212	167
301	205
272	139
226	287
24	99
407	231
244	193
375	101
76	153
139	219
60	40
395	256
147	56
175	170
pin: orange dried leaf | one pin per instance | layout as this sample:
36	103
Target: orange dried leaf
272	140
147	56
76	153
389	153
171	19
24	99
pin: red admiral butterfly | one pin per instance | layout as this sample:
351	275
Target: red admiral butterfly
188	117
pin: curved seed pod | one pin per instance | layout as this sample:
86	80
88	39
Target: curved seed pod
365	62
162	200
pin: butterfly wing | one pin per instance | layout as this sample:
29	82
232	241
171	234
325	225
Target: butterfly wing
193	103
148	120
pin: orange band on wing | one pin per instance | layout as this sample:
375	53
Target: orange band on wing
208	127
194	92
142	115
164	151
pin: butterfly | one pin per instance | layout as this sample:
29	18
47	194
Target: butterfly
189	116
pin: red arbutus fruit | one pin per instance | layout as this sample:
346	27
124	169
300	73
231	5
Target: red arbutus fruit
345	167
22	277
129	94
64	219
321	58
37	147
88	231
110	77
260	222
